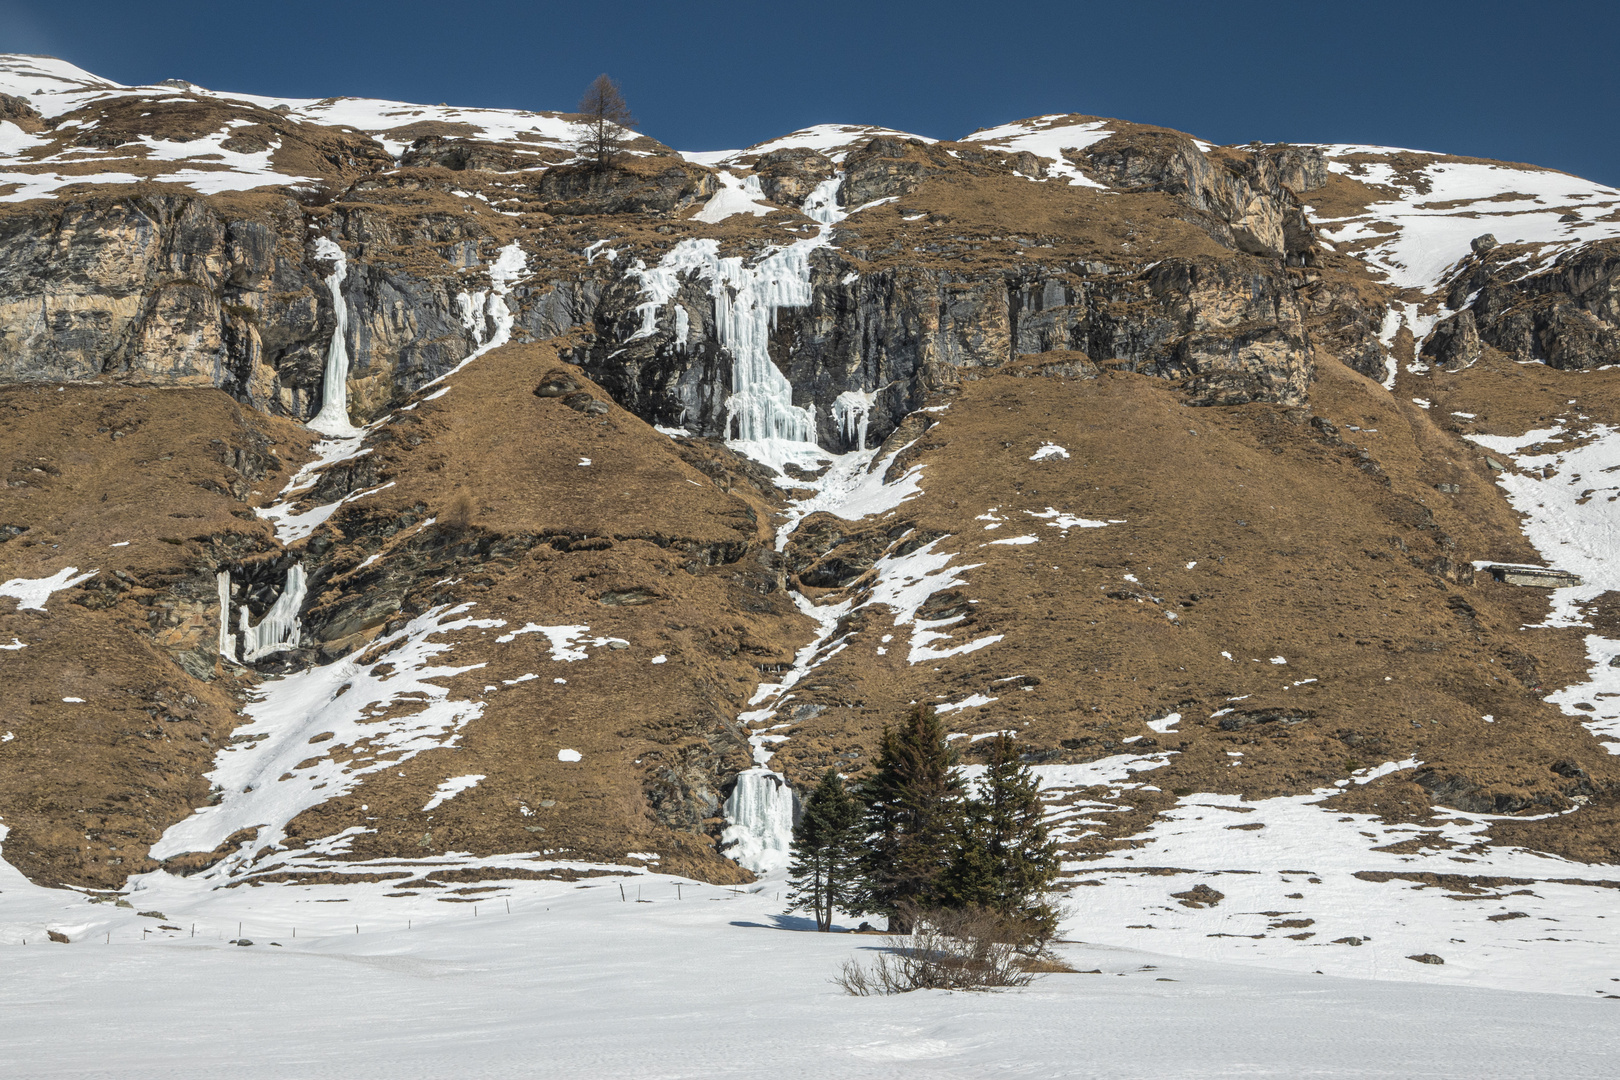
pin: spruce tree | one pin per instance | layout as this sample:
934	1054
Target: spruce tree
825	845
913	806
1005	860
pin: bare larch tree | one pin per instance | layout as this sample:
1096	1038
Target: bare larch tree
605	121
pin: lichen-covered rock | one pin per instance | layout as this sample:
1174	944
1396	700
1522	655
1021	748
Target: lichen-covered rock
788	176
630	185
1567	315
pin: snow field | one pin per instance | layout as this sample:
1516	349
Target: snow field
1047	137
576	981
1566	494
1433	228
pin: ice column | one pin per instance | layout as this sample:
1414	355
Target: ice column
485	314
333	419
760	811
851	410
278	631
227	646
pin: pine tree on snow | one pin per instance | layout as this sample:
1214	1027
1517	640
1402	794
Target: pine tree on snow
913	807
825	845
1005	860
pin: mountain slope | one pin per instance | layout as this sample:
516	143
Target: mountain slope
643	495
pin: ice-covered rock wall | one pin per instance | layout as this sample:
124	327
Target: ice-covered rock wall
279	630
759	407
227	645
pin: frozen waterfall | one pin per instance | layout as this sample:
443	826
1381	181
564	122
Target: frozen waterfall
760	812
227	646
333	419
851	411
485	314
746	298
278	631
822	202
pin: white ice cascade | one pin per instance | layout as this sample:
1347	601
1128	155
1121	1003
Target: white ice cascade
851	411
760	810
227	646
746	298
822	202
333	419
278	631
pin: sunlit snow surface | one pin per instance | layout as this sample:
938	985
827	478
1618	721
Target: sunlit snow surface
1048	137
1566	488
31	593
833	140
1432	212
55	88
706	981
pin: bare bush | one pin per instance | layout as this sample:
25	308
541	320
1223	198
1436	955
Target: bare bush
458	519
951	949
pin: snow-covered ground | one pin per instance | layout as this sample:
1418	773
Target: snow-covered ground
577	982
1434	210
55	88
1565	489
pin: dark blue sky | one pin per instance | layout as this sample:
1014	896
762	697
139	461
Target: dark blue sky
1521	81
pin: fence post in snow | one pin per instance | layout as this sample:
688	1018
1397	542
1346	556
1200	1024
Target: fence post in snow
621	892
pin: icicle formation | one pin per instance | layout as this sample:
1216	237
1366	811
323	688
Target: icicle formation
746	299
333	419
484	313
227	646
278	631
760	811
851	410
822	202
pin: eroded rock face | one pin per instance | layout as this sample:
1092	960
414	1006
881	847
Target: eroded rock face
651	185
1567	316
159	288
184	291
1231	327
789	176
1250	195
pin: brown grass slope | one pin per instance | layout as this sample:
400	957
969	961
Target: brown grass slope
1335	552
86	788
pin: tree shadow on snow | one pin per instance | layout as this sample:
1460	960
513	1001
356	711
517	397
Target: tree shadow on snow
798	923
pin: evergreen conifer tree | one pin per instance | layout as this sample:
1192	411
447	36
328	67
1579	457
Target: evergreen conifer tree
825	846
913	806
1005	860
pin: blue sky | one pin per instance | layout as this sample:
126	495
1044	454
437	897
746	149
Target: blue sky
1524	82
